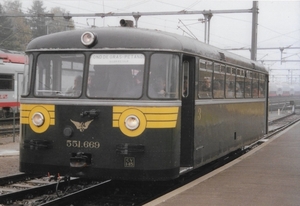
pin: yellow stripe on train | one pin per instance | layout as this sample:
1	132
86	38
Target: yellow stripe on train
48	111
149	117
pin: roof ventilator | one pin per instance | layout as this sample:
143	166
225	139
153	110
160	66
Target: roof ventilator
222	56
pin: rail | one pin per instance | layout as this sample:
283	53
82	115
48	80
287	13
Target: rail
38	190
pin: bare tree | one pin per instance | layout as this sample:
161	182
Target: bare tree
21	31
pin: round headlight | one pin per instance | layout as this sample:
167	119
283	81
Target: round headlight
38	119
88	38
132	122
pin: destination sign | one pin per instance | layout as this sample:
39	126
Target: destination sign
117	59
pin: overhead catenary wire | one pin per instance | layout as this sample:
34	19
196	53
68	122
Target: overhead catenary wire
168	24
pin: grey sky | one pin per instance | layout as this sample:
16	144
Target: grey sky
278	23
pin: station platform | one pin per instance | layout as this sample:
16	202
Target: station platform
267	175
9	149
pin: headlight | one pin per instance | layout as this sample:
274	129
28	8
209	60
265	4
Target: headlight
38	119
132	122
88	38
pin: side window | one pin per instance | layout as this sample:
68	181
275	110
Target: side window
27	74
218	80
248	84
7	82
240	82
255	85
230	82
163	76
205	77
185	79
262	85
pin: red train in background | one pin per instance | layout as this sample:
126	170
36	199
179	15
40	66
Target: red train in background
11	77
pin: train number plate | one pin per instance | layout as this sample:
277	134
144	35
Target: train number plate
83	144
129	162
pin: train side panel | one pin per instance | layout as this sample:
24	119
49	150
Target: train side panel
221	128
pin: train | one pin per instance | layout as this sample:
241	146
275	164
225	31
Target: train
11	77
10	56
135	104
278	89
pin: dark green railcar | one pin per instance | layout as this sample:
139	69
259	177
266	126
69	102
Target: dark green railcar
135	104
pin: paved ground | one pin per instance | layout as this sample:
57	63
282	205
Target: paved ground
9	145
267	175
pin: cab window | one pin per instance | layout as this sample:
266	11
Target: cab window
163	76
59	75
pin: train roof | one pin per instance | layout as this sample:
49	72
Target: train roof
11	67
124	38
13	58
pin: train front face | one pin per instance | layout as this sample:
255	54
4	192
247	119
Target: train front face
98	115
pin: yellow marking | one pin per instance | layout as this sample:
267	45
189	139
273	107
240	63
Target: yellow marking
24	121
150	117
116	123
162	110
31	106
162	117
116	116
52	114
139	115
162	124
27	111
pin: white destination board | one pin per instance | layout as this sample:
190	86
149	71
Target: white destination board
117	59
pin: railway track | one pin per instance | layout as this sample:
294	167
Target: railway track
283	103
85	192
10	119
32	190
283	122
4	131
9	126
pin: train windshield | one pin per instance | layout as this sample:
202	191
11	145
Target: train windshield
116	75
59	75
110	75
122	76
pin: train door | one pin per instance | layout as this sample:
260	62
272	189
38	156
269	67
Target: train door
187	111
